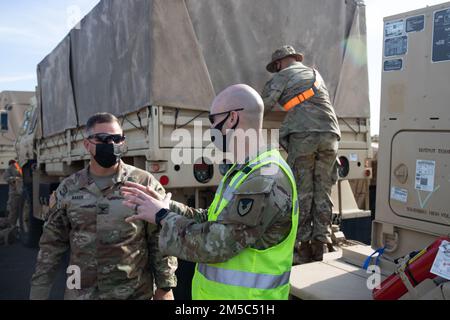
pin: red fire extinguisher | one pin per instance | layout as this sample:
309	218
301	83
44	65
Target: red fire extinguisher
416	269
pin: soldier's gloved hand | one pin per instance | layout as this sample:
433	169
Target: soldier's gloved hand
145	203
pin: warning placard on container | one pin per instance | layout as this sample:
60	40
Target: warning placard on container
394	28
393	65
415	24
425	170
395	39
441	264
395	46
399	194
441	36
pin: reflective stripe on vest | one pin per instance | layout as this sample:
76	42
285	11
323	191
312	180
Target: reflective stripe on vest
304	96
228	193
242	278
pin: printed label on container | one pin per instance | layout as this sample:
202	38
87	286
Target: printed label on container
399	194
441	264
415	24
425	175
394	29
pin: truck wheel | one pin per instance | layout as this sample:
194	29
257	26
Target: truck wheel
30	227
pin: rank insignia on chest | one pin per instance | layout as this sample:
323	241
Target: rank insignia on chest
63	191
102	208
244	206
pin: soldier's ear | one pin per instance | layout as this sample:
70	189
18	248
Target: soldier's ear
234	117
86	144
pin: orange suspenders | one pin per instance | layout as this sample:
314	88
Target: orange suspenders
302	97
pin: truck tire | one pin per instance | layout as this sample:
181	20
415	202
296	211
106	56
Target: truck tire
30	227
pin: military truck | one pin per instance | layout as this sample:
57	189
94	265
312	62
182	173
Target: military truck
413	182
13	105
157	65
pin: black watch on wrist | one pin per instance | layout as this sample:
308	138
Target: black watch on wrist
166	289
161	214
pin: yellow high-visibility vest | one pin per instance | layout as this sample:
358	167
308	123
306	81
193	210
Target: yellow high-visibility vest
252	274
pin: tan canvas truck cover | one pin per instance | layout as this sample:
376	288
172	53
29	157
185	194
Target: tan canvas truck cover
128	54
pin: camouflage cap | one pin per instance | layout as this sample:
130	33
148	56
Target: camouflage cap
283	52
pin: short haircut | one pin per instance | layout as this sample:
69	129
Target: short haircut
11	162
97	118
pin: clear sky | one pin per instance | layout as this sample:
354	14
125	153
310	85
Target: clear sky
30	29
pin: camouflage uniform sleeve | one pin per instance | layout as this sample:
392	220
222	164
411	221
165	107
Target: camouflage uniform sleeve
53	244
198	215
7	174
163	267
155	185
272	93
255	208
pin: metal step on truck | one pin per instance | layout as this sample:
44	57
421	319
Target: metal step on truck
410	245
157	65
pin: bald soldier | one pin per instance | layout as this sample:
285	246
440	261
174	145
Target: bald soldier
310	134
243	243
116	259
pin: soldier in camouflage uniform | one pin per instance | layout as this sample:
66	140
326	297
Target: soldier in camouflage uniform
117	260
258	215
13	177
310	134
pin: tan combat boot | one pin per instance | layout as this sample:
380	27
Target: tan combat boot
303	254
317	250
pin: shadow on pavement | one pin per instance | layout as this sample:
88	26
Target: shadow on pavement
16	268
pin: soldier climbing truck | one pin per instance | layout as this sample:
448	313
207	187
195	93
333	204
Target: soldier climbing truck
409	256
157	65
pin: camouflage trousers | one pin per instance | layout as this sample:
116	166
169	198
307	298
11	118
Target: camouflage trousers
13	206
312	157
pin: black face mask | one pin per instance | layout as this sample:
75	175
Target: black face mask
225	137
106	155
